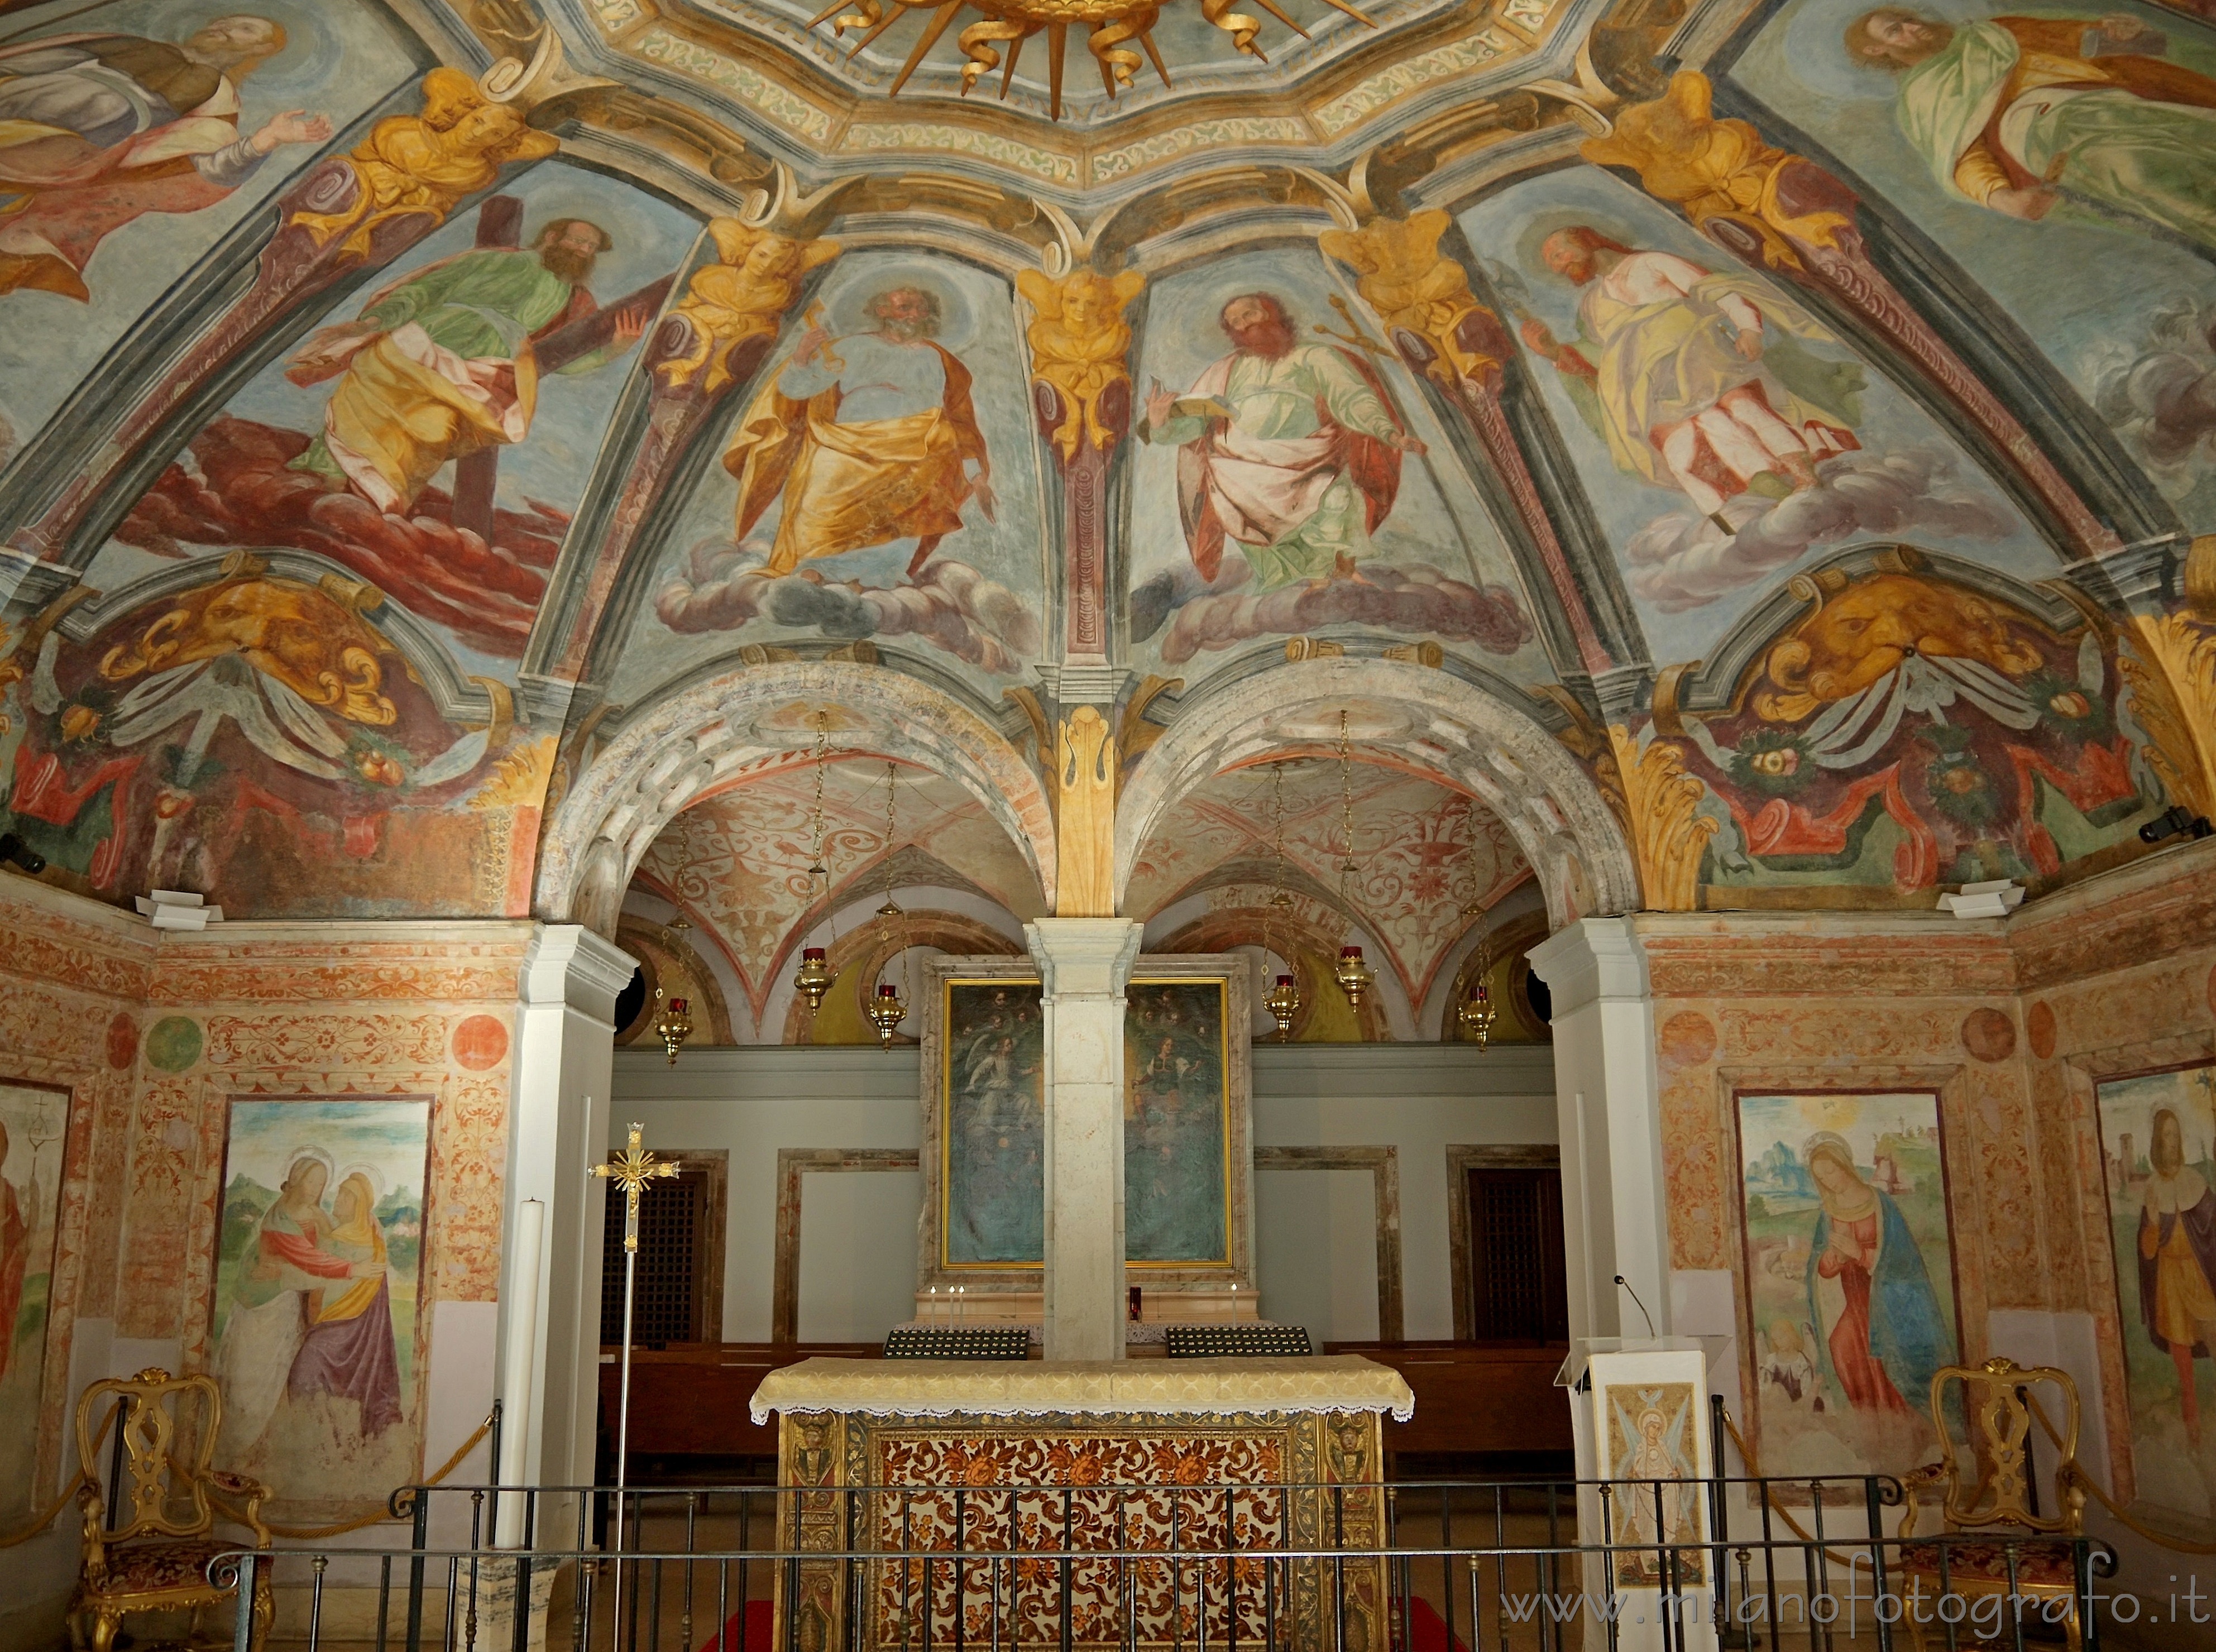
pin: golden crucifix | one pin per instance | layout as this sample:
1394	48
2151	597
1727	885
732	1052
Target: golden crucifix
628	1170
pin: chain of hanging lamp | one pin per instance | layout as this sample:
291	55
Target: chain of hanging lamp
1283	1000
1353	975
814	977
673	1017
1476	1012
887	1007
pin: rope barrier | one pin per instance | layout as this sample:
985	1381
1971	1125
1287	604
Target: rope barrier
311	1534
1754	1468
68	1492
2076	1471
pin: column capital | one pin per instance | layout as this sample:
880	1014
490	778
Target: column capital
569	964
1085	957
1591	960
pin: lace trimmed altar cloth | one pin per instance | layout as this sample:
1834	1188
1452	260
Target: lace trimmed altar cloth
995	1388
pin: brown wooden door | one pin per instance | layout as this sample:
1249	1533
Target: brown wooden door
1518	1292
680	1243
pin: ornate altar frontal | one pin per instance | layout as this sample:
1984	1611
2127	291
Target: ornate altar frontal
946	1470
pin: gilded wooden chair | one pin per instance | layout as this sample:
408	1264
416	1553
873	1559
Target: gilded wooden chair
150	1535
1985	1506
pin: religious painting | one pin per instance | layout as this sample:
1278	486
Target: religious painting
993	1124
132	139
34	1123
1917	721
433	435
879	480
2158	1163
279	738
1289	478
1724	434
318	1330
1651	1452
1177	1125
1850	1278
2067	160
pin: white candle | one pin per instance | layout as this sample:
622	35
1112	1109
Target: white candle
522	1366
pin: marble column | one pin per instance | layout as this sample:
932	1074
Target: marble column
558	1130
1614	1214
1084	964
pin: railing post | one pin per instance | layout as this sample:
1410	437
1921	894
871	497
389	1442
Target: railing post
418	1537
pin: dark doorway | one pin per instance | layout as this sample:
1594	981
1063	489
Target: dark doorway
680	1259
1518	1292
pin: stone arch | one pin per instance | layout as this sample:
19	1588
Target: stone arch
671	750
1471	739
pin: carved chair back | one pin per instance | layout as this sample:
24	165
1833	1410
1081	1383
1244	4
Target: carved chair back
1988	1478
154	1491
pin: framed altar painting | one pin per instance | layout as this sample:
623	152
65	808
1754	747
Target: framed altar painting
1188	1137
2158	1165
318	1336
1849	1269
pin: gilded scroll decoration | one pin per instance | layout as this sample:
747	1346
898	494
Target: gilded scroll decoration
1079	339
426	163
744	295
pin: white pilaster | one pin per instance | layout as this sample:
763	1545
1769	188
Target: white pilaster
1084	964
558	1130
1606	1090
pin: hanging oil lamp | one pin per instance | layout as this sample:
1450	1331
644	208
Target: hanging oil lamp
673	1024
814	977
887	1009
1353	975
1283	1000
1476	1012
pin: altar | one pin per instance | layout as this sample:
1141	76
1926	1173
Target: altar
952	1469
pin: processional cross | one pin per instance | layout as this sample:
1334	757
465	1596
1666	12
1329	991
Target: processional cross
630	1171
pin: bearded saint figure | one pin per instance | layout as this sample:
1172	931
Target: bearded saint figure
1695	381
97	129
2018	114
441	365
1290	450
866	440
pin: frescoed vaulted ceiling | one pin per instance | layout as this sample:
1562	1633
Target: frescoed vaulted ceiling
1766	455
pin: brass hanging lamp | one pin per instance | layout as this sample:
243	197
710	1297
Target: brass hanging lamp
673	1023
1353	975
1476	1012
887	1008
814	977
1283	1000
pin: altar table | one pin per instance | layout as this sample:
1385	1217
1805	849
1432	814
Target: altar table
924	1461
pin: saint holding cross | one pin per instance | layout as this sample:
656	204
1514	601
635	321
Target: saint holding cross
446	363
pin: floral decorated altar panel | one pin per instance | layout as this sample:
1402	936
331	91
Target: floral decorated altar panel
947	1460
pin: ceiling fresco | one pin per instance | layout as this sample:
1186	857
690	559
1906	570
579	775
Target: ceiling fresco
1758	446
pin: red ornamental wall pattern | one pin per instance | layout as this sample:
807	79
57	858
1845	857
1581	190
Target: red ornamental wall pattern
269	1016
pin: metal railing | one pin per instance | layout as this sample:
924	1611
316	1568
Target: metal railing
1500	1566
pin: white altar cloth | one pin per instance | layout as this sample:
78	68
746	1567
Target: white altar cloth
1021	1388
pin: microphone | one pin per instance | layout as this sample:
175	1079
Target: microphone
1643	1314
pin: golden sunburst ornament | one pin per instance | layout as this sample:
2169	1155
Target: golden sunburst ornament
1111	27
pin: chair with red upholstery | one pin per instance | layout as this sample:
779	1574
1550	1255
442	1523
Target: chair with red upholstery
1987	1509
150	1536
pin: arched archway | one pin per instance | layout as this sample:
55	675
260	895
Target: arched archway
1441	723
672	750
